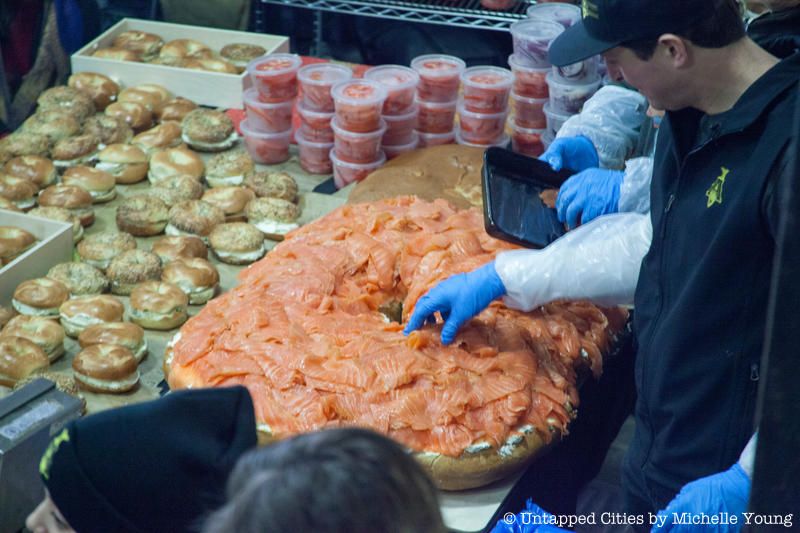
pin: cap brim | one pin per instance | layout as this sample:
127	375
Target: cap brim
575	44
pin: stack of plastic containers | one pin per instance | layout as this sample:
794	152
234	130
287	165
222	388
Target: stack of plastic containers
315	137
437	97
399	110
530	65
483	110
568	87
357	130
267	130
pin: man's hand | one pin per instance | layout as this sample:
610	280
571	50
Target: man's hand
458	298
577	153
726	492
589	194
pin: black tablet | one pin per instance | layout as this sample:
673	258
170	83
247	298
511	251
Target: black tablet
512	208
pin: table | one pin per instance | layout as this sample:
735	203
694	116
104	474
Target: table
465	511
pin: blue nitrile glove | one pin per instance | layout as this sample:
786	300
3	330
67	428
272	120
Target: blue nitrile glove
533	519
576	153
458	298
726	492
588	195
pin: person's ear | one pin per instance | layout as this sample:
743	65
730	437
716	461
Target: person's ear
675	49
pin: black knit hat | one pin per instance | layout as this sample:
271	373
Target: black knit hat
158	466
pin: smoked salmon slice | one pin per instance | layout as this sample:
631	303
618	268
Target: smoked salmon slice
305	332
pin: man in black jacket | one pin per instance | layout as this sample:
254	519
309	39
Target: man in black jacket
778	28
702	289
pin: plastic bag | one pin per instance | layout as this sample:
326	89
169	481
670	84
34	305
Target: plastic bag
598	261
611	119
634	191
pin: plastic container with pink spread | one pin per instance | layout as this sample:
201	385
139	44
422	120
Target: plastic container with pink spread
486	89
501	141
266	148
439	77
527	141
436	117
531	39
358	104
436	139
529	81
400	128
393	150
316	81
529	112
481	128
345	173
315	125
354	147
562	13
275	76
555	119
314	157
266	117
400	83
569	97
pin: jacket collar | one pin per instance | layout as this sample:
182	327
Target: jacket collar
751	105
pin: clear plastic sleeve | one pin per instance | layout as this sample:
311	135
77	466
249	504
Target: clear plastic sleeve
611	119
634	191
598	261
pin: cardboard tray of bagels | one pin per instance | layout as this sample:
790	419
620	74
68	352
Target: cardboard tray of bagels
53	245
207	88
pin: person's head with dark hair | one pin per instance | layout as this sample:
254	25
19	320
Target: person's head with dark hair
677	53
332	481
150	467
724	28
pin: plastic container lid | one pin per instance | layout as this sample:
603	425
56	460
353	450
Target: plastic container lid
406	146
464	112
580	72
536	29
438	65
351	135
558	115
358	166
324	74
395	77
250	97
320	115
516	64
487	77
412	113
274	64
422	104
298	137
436	136
248	131
359	92
564	14
502	141
567	85
525	100
531	131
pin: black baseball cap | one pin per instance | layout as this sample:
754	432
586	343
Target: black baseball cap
606	24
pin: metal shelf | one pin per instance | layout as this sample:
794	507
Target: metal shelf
463	13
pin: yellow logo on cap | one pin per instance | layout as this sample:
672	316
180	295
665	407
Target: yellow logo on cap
589	9
47	458
714	193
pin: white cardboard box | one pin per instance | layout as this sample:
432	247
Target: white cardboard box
54	245
213	89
